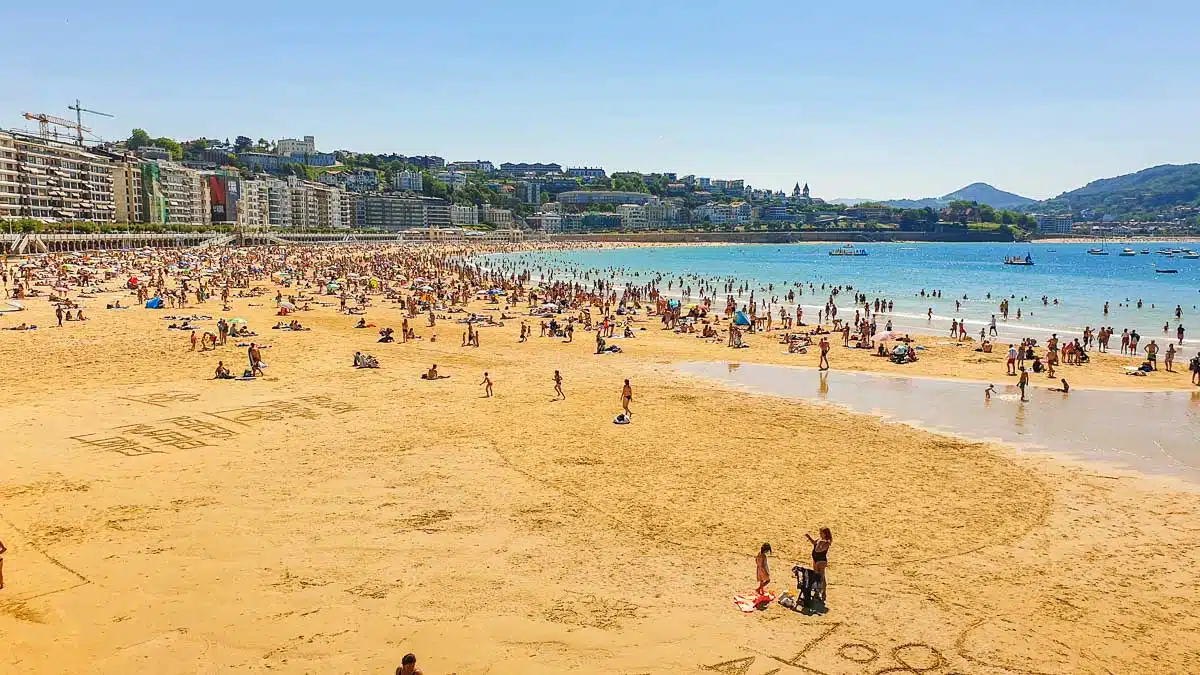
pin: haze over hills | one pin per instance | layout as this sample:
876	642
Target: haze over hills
975	192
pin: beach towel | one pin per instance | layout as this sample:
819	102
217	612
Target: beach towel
154	303
751	603
621	419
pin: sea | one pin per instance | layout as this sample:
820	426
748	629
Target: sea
1062	292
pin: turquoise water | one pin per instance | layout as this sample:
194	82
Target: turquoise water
899	272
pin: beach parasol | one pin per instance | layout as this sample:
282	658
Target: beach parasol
288	306
237	319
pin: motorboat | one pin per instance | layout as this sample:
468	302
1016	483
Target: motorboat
848	250
1097	251
1162	271
1128	252
1145	251
1018	260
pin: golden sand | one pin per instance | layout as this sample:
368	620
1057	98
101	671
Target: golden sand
328	520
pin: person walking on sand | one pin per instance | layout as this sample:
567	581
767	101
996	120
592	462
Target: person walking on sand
1169	358
824	363
1011	362
558	390
2	551
487	385
626	399
1023	382
761	570
255	360
59	313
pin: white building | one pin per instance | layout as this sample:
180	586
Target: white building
464	214
661	214
633	216
455	179
253	209
546	222
481	165
317	207
501	218
1054	224
354	180
292	146
408	180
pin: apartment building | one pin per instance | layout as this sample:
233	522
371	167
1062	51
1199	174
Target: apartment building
481	165
464	215
615	197
546	222
501	218
127	192
173	193
586	172
633	216
412	181
253	212
660	214
1054	224
279	203
392	212
52	181
455	179
529	192
354	180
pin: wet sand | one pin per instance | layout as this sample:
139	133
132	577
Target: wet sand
332	519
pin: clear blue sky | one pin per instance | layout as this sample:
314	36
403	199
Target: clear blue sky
877	98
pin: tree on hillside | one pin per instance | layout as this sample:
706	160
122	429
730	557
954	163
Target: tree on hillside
170	145
242	144
137	139
629	182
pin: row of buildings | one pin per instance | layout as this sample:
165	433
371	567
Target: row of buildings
51	181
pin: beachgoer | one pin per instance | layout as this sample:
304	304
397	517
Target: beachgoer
487	385
626	399
222	373
1169	358
824	363
820	560
408	666
761	570
2	552
987	393
1152	354
558	385
1011	363
1065	388
1023	382
255	360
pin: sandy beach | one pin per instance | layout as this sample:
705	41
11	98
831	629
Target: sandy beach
330	519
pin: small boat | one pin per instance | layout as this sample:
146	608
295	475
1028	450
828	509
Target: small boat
1145	251
1018	260
848	250
1192	256
1128	252
1097	251
1166	271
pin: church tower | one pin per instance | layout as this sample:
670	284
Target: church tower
805	192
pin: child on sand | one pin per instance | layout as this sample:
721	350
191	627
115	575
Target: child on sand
487	385
762	571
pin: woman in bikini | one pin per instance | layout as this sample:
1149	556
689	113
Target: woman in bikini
761	571
820	559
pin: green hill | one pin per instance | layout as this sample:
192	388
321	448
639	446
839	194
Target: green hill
1160	192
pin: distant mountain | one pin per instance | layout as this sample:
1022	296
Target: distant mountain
1157	192
975	192
986	194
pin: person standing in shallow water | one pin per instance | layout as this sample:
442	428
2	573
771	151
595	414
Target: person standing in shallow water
1023	382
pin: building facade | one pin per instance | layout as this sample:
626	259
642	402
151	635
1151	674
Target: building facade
391	212
462	215
492	215
294	146
585	197
586	172
354	180
529	192
1054	224
173	193
523	168
412	181
52	181
455	179
481	165
633	216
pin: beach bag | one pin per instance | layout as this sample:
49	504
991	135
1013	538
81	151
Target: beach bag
621	419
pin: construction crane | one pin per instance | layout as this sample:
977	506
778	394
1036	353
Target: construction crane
79	110
45	121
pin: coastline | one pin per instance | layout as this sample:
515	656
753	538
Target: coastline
366	517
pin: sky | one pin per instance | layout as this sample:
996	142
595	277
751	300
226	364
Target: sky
873	98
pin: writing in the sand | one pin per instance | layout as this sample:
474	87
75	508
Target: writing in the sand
175	433
162	399
191	432
841	657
